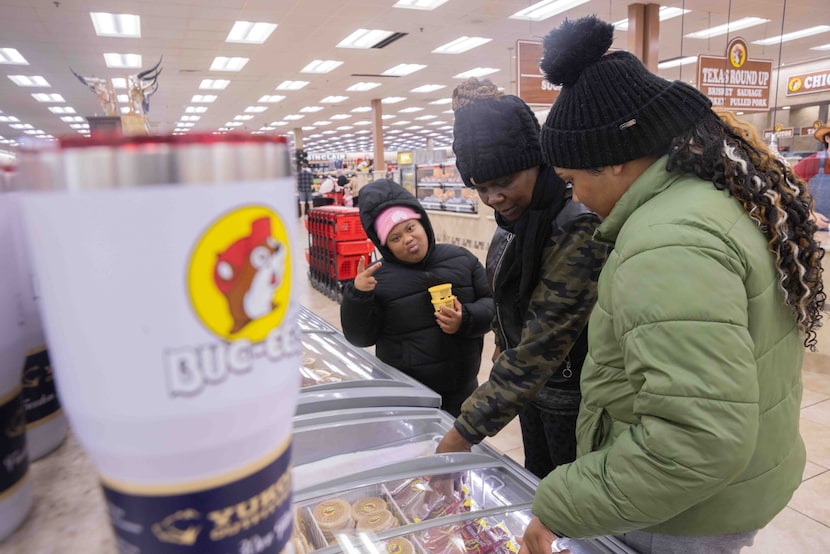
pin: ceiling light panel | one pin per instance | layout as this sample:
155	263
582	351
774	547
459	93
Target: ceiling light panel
271	99
321	66
419	4
795	35
477	72
122	98
12	57
8	119
291	85
364	38
311	109
223	63
255	109
677	62
247	32
116	24
362	109
545	9
29	80
403	69
61	109
441	101
72	119
204	98
243	117
213	84
44	97
664	13
428	88
363	87
195	109
460	45
122	61
333	99
730	27
119	82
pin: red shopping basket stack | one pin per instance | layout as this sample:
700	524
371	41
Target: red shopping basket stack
336	242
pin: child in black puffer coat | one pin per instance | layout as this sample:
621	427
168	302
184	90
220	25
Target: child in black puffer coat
388	304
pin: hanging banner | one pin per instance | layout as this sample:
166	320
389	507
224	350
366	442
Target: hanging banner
735	82
533	88
808	83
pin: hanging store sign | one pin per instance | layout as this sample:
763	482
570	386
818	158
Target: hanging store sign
808	83
735	82
533	88
780	132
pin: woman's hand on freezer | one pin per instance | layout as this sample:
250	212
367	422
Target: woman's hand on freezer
453	442
538	539
364	280
449	319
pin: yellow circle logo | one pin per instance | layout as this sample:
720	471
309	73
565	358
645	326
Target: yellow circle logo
737	53
239	277
794	84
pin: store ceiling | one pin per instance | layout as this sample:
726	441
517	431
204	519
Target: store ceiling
54	36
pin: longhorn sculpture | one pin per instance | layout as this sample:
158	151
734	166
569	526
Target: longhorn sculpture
142	86
102	89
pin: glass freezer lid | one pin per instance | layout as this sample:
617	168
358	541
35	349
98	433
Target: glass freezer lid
327	363
490	532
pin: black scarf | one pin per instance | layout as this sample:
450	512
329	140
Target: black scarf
524	260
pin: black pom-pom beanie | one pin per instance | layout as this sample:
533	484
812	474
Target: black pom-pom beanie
611	108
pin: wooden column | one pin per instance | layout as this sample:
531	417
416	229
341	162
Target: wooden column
377	134
298	138
644	33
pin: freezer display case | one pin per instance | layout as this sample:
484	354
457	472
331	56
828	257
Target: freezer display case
369	481
336	375
439	187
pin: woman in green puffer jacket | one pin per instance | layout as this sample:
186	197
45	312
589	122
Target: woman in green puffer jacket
688	430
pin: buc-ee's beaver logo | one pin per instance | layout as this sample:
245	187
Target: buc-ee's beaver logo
239	283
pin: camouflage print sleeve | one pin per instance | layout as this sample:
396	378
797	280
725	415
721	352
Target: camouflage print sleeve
557	313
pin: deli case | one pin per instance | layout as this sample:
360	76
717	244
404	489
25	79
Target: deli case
336	375
439	187
369	481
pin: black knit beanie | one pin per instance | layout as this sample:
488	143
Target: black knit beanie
611	109
494	134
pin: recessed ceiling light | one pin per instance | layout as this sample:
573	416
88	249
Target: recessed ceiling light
402	122
271	98
822	47
545	9
476	72
364	38
12	57
425	117
419	4
676	62
321	123
190	118
116	24
363	122
362	109
256	109
203	98
44	97
428	88
730	27
8	119
122	98
223	63
119	82
309	128
362	87
195	109
392	99
664	13
340	116
29	81
213	84
291	85
72	119
412	109
185	125
61	109
21	126
311	109
388	116
333	99
122	61
242	117
293	117
234	124
460	45
442	101
794	35
321	66
279	123
403	69
247	32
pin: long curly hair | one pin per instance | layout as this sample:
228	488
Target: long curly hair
729	153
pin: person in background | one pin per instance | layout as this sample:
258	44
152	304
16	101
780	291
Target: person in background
305	180
388	304
815	169
542	265
688	432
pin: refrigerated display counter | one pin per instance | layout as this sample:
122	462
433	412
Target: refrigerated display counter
336	375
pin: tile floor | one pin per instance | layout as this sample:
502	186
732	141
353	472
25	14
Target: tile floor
804	526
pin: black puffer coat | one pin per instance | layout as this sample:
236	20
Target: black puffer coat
398	317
